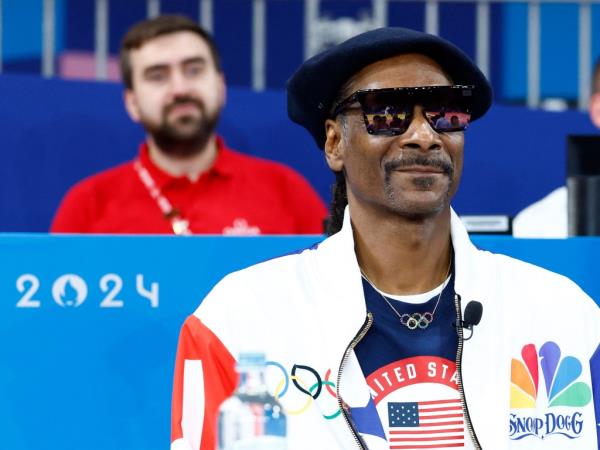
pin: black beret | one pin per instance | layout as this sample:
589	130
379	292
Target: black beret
315	85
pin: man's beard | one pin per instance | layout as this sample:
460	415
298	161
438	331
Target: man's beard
187	135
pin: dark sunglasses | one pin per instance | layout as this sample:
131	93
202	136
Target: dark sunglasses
389	111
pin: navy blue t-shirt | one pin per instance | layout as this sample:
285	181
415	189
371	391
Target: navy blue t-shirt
412	374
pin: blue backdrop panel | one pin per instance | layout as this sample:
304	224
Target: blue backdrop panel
89	326
98	375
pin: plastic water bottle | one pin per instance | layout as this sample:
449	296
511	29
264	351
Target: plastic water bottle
251	419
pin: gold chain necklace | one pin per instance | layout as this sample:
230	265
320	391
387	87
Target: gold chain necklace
414	320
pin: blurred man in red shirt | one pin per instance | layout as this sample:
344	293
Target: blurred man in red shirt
185	179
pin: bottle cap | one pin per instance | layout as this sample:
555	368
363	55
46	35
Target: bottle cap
251	359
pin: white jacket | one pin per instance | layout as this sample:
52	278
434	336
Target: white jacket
306	310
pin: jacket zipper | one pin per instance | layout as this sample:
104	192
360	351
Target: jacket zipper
361	333
461	391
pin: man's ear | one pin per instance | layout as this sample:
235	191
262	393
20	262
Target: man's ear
222	87
334	152
131	105
594	109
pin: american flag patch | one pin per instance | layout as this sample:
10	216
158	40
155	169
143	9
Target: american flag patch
437	424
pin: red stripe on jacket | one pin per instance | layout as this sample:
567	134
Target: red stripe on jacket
198	342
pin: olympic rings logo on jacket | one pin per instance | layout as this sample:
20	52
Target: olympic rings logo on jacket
312	391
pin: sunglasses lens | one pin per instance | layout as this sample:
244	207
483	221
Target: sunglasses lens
448	108
389	111
385	114
447	119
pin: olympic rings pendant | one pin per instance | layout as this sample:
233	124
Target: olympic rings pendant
416	320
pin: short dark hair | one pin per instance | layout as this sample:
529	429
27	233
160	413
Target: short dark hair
596	78
148	29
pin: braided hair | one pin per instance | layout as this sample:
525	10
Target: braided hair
338	204
339	197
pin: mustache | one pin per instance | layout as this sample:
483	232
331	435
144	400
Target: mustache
420	160
185	99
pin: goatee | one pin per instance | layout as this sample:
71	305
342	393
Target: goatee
188	134
423	183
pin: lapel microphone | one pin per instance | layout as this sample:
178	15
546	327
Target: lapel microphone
472	317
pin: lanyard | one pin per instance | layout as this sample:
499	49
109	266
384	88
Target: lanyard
180	225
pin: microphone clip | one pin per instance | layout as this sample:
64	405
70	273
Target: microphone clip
466	326
472	317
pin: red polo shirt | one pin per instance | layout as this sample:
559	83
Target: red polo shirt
239	194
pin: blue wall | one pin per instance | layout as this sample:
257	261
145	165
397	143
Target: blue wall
513	156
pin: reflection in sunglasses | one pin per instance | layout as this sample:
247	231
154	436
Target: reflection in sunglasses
448	119
389	111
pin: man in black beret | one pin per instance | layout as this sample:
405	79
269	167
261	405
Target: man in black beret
370	335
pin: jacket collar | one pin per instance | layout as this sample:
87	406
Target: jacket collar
471	282
337	276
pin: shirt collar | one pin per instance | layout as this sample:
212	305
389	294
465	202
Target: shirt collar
225	162
223	165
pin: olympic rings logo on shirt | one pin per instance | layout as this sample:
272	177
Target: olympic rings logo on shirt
312	392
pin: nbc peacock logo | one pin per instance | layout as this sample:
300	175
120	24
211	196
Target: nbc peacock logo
555	406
